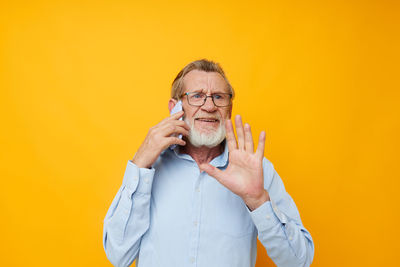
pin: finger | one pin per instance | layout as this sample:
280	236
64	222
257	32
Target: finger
239	131
175	116
261	145
174	141
212	171
230	136
169	129
181	123
249	145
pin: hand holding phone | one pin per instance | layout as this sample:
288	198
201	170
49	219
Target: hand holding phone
162	136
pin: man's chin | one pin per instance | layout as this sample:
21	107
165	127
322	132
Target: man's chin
207	129
208	133
208	139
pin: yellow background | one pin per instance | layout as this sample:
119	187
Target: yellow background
83	81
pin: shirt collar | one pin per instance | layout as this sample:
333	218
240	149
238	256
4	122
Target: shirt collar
219	161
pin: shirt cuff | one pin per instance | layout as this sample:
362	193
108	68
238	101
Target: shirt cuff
138	179
267	215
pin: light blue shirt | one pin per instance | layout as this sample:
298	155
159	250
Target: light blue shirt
173	215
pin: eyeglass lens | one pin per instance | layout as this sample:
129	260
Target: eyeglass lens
220	99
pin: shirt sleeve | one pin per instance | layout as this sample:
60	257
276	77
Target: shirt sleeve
128	217
279	226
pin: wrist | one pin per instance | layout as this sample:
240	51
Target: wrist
140	164
254	203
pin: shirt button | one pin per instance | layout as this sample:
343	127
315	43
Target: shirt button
195	223
197	189
192	259
268	217
290	237
135	177
146	180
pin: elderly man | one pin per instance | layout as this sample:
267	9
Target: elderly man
202	200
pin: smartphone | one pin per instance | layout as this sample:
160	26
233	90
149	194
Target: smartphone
177	108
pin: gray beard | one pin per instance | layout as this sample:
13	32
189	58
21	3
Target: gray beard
210	140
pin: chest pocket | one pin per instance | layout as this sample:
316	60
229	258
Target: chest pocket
226	213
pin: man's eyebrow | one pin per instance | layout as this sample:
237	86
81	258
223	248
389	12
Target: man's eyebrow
203	91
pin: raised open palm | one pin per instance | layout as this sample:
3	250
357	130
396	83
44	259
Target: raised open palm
244	174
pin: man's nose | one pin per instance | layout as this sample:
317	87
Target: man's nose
209	105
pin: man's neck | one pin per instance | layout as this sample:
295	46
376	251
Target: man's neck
202	154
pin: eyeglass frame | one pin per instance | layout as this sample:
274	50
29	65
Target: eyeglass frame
207	96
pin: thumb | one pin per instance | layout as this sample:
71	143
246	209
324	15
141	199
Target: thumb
211	170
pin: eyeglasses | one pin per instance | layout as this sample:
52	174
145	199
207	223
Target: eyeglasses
198	99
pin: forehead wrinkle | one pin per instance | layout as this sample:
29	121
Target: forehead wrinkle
208	80
211	81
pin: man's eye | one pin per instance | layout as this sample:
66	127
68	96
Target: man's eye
197	95
217	96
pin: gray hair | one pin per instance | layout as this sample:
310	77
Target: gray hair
202	65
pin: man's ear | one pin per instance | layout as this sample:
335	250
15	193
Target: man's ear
171	104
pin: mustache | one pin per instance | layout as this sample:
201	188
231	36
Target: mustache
217	117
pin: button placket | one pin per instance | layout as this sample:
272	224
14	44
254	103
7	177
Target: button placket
195	221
